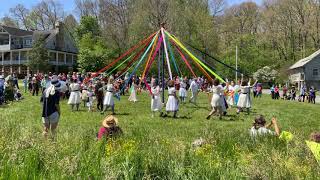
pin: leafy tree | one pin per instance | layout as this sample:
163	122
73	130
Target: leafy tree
265	74
38	56
88	24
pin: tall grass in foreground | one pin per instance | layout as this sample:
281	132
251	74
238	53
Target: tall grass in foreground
157	148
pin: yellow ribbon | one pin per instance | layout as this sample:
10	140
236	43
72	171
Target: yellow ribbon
193	57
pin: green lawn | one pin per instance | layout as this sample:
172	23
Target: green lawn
157	148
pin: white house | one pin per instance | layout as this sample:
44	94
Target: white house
15	44
306	71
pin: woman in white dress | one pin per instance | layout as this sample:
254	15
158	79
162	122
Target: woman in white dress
183	91
108	98
216	102
194	90
231	90
173	102
156	104
133	95
244	98
74	99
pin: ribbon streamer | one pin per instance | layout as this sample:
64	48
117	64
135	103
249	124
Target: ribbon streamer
193	57
166	52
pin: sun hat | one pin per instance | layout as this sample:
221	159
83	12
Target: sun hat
110	121
56	83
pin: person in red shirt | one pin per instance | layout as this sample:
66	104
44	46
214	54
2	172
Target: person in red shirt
109	128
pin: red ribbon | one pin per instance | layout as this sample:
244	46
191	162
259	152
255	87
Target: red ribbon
119	58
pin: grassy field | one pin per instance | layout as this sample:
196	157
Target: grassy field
157	148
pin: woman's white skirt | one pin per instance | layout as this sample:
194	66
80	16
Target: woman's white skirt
244	101
230	100
156	104
182	92
215	101
108	99
172	104
133	96
74	98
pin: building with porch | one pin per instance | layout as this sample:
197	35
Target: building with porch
306	71
15	44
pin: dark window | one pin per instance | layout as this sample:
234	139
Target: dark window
315	72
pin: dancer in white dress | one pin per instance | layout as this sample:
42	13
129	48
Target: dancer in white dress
244	98
74	99
216	102
231	90
173	102
156	104
183	91
133	95
108	98
194	89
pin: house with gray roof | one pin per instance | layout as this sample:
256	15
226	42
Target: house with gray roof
306	71
15	44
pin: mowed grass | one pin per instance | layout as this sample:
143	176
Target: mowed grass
156	148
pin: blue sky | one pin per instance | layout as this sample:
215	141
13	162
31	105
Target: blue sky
5	5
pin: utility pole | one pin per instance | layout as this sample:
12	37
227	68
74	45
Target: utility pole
236	63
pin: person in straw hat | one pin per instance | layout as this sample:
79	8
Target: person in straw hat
108	98
109	128
51	108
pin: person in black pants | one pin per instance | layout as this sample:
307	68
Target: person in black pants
35	86
99	94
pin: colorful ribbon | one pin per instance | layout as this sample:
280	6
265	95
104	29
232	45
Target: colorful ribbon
121	57
166	52
193	57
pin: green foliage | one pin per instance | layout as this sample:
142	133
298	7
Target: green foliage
38	56
157	148
88	25
93	54
265	74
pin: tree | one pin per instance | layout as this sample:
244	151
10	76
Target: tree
266	74
21	13
7	21
93	54
88	25
38	56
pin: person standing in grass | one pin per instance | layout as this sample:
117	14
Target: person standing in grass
156	104
75	96
51	109
312	95
244	98
182	90
133	91
173	102
98	91
216	99
108	98
194	90
260	128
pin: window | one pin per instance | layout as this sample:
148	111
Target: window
28	42
315	72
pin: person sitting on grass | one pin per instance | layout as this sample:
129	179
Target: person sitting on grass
260	128
109	128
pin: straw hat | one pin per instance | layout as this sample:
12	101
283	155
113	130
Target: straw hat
110	121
